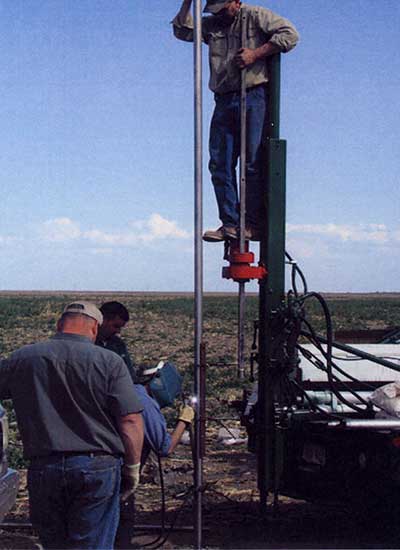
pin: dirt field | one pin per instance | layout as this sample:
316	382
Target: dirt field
231	513
162	327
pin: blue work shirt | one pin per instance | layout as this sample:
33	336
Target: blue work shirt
155	427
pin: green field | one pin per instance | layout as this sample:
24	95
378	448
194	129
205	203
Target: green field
162	327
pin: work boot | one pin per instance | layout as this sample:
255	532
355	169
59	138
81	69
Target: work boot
221	234
252	233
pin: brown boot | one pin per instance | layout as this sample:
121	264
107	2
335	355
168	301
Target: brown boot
221	234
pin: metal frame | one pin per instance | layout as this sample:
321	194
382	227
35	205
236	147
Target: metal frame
272	288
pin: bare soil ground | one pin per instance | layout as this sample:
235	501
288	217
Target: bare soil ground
162	327
230	508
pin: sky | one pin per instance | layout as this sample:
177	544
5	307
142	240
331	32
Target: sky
96	147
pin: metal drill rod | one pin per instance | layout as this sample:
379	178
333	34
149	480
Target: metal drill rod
12	524
198	264
202	403
243	123
366	424
242	222
241	327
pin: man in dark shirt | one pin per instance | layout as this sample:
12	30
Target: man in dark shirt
78	416
115	317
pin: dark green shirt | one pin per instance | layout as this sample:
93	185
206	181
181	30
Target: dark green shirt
118	346
67	394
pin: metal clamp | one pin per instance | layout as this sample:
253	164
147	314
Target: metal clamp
240	268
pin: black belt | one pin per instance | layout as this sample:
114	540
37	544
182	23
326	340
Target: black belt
82	453
66	454
232	92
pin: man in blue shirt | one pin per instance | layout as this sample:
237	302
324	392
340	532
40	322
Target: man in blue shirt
156	436
159	387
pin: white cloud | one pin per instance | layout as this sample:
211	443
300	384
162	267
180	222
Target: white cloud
374	233
60	230
153	229
307	248
161	228
100	251
9	240
103	238
396	236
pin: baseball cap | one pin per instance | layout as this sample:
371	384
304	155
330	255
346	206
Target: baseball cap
214	6
85	308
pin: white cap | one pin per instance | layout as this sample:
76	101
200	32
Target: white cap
153	370
85	308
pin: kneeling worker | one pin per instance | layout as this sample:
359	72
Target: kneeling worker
158	387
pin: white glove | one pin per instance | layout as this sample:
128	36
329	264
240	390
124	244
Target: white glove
130	480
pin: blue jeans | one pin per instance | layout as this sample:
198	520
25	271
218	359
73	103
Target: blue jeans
74	500
224	146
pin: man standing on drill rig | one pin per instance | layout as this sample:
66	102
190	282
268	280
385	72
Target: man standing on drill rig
266	34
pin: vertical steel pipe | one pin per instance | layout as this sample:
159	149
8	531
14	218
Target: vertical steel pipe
241	329
243	135
198	264
242	223
202	404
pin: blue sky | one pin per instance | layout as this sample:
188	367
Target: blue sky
96	146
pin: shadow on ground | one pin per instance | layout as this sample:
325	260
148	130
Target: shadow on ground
238	525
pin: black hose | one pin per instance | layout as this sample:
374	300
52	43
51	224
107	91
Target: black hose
319	365
315	407
168	533
162	490
329	345
307	354
296	270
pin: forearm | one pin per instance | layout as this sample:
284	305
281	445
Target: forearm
183	22
247	56
184	11
132	433
176	435
266	50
